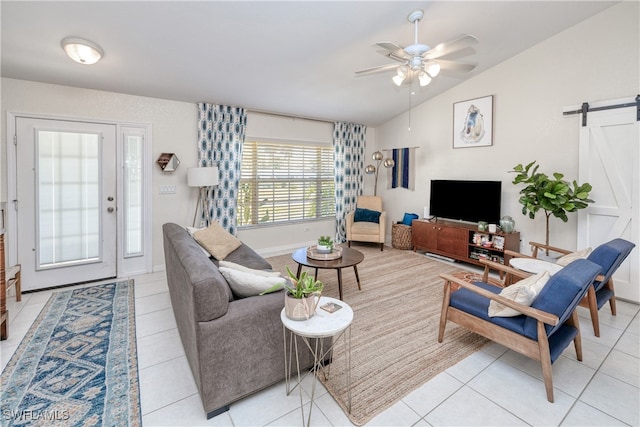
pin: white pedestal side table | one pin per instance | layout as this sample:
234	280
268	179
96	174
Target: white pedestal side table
313	331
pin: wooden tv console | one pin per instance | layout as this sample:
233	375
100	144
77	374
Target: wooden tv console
456	240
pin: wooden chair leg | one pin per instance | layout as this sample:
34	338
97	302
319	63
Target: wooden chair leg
545	361
593	309
612	301
612	305
445	307
577	341
18	286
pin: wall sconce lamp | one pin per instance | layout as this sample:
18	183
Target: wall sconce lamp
388	163
203	178
82	51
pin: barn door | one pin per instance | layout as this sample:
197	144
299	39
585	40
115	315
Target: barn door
610	162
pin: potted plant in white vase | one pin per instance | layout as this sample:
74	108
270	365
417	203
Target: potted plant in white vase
325	245
301	297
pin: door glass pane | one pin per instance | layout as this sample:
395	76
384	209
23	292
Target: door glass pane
68	197
133	195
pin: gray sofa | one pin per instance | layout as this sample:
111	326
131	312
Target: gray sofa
234	346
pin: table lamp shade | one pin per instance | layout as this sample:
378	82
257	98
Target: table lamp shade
202	177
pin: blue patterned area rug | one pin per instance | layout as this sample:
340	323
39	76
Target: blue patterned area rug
77	365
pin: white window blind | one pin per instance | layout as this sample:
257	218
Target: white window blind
283	182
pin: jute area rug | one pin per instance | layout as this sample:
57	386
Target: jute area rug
77	364
394	345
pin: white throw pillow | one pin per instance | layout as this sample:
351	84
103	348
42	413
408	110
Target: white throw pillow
234	266
192	230
523	292
245	284
567	259
218	241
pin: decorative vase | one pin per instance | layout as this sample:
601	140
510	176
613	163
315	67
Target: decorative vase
300	308
507	224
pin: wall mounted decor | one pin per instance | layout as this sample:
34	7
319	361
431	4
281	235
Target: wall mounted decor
168	162
473	123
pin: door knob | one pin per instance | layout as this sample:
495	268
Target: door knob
110	198
110	209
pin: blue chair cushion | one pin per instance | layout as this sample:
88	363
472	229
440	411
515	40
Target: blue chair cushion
603	296
408	218
609	256
477	305
366	215
562	293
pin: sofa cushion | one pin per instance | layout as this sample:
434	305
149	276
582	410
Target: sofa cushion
245	284
523	292
370	228
217	241
366	215
566	259
247	257
192	230
239	267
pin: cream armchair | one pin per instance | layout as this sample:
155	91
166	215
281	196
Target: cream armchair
364	231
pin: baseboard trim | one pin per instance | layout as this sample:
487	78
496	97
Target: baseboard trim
440	257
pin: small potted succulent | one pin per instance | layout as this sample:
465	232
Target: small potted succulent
325	245
301	297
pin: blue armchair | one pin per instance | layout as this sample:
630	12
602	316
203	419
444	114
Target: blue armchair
609	256
541	332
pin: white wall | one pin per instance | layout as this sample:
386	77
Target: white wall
595	60
173	130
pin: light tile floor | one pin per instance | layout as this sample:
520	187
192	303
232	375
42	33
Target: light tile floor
494	386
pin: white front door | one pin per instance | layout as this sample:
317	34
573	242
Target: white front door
610	162
66	201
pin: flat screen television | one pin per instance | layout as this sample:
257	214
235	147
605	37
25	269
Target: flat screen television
470	201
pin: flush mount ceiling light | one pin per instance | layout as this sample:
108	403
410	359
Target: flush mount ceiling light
82	51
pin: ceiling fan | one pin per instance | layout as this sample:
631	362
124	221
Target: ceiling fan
419	59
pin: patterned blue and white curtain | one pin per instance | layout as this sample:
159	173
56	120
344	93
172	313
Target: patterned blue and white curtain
349	142
221	131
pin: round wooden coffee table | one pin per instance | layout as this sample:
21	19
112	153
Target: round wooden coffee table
350	258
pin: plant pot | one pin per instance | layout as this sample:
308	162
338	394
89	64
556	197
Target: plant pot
300	308
324	249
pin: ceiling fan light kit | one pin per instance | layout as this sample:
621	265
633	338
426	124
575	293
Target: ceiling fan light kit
418	60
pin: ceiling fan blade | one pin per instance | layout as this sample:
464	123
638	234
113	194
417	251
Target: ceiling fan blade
392	56
393	49
455	66
450	47
375	70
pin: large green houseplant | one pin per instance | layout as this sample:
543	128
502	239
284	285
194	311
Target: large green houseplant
553	195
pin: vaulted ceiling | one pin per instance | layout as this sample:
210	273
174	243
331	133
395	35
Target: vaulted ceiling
290	57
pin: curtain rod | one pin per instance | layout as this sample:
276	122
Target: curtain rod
288	116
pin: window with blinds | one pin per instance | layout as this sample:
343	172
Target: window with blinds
283	182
